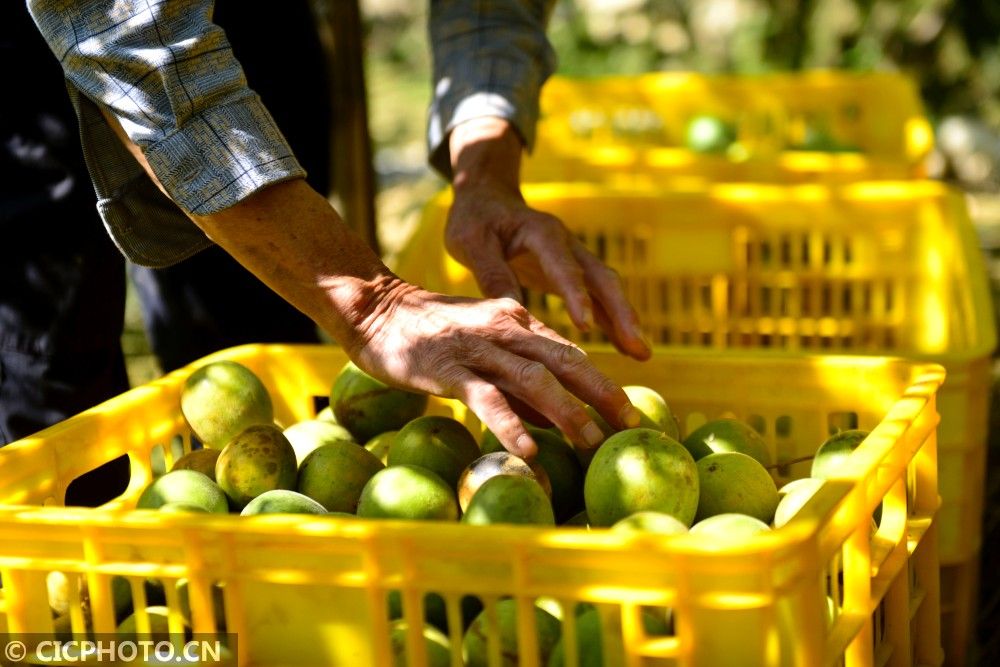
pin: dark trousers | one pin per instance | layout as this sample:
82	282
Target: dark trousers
62	281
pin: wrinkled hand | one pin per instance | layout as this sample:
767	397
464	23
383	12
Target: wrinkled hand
487	353
507	244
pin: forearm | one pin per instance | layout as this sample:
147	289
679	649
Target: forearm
290	237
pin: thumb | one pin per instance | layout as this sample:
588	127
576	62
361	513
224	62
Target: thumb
493	275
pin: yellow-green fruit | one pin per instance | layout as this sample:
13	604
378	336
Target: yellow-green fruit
222	399
729	527
437	648
650	522
158	624
326	414
186	487
731	482
832	456
407	492
201	460
656	414
509	499
641	469
559	460
306	436
794	496
380	444
366	406
257	460
727	435
493	464
282	501
441	444
335	474
475	644
60	587
709	134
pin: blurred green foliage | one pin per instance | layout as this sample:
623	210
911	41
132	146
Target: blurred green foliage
950	47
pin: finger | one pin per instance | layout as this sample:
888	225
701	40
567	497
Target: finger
550	244
489	404
527	413
573	370
485	258
622	322
539	328
531	382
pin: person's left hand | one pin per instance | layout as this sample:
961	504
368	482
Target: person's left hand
508	245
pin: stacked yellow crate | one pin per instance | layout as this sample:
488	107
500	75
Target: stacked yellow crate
775	240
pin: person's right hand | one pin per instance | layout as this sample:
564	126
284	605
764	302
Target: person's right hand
487	353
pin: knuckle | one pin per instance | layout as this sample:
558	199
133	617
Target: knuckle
571	358
531	373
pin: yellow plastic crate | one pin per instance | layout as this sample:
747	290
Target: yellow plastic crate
869	268
632	129
311	590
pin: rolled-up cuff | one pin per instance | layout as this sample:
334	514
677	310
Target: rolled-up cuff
221	156
450	110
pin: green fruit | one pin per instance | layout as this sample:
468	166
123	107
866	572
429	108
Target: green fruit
435	609
181	508
509	499
441	444
794	496
307	436
257	460
366	406
729	527
282	501
335	474
380	444
641	469
832	456
709	134
590	640
221	399
407	492
436	645
727	435
490	465
184	486
326	415
656	414
475	645
734	483
201	460
650	522
578	519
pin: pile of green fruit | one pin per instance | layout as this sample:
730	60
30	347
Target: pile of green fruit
374	454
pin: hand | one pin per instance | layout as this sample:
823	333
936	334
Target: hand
486	353
507	245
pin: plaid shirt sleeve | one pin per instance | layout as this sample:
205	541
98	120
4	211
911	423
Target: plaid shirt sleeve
168	74
491	58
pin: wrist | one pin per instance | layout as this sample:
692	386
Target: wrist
485	151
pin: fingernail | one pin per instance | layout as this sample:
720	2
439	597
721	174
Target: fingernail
645	340
630	416
526	447
592	434
588	318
